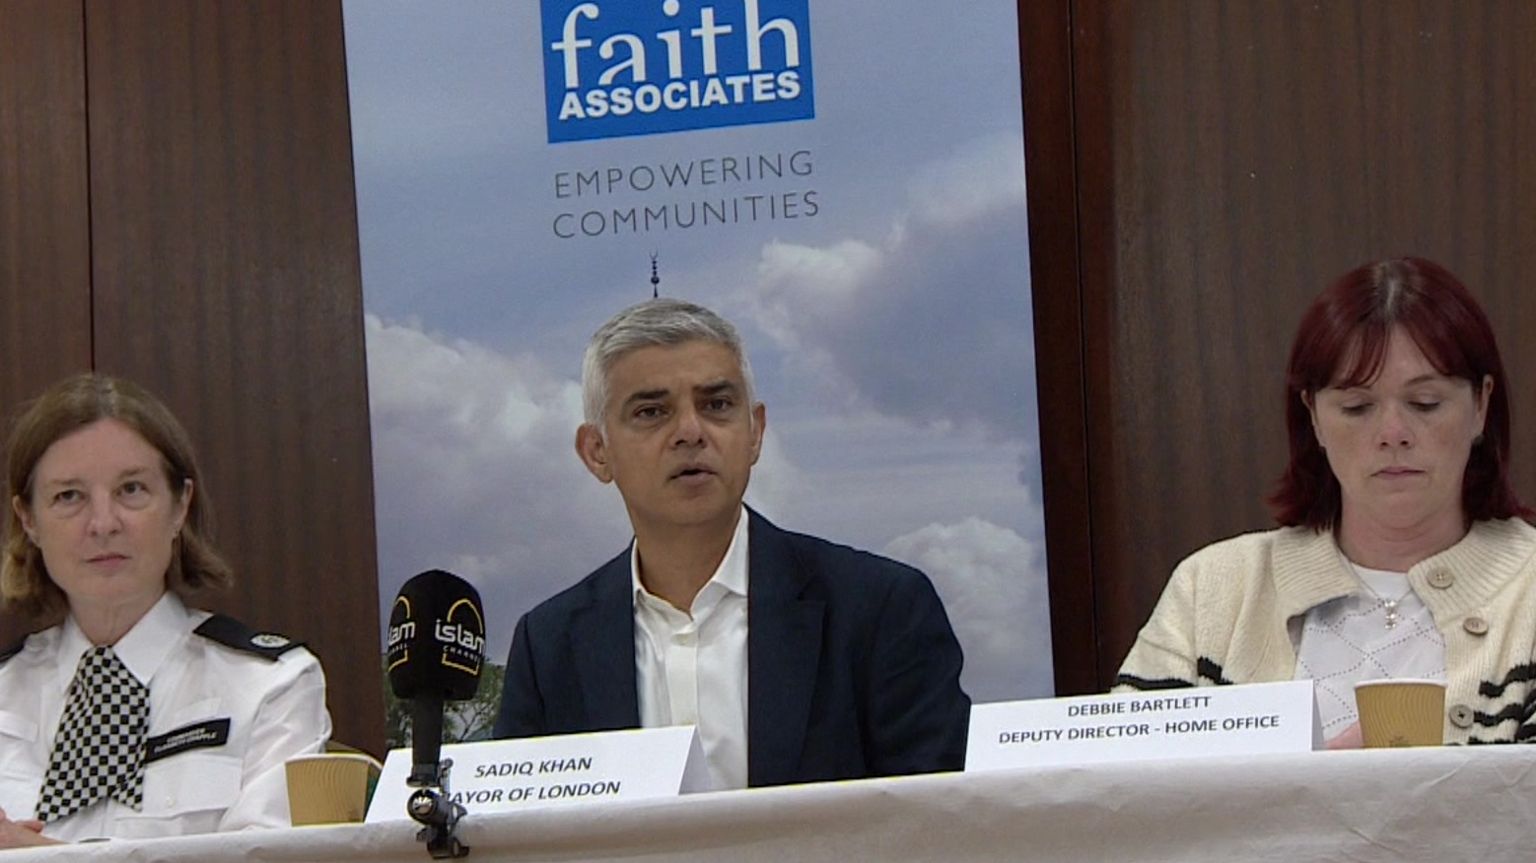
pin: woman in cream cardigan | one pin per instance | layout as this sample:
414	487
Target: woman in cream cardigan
1402	551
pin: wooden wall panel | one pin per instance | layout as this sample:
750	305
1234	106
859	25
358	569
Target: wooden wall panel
226	275
1045	49
1233	158
45	290
44	214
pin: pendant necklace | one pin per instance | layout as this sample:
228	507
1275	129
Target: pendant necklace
1388	605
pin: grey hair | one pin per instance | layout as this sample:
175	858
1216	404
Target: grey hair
662	321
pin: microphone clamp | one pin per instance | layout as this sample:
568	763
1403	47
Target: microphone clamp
435	810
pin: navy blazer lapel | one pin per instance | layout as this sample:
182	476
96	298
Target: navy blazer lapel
783	653
602	645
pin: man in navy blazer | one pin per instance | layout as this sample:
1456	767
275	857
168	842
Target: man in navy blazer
799	660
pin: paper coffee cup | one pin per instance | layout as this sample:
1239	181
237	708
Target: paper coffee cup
1402	712
330	789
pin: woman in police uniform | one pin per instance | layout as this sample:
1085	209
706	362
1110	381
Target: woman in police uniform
133	715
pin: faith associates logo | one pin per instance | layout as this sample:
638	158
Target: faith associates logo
641	67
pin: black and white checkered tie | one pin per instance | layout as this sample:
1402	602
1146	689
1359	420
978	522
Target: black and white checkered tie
99	750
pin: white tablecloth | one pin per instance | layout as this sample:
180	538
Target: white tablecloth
1472	803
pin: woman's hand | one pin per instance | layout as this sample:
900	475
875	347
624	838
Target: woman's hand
21	834
1349	738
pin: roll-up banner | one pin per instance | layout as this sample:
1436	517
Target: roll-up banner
842	179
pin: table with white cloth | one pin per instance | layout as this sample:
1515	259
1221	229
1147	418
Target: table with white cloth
1443	804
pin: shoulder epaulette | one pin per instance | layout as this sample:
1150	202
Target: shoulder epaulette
237	636
11	650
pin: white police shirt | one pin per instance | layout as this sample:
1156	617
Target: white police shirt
222	720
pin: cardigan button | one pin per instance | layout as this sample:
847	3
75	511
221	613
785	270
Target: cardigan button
1475	625
1461	716
1441	579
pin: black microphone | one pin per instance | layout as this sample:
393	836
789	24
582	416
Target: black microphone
436	646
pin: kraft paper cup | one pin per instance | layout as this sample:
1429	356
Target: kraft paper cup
330	789
1401	712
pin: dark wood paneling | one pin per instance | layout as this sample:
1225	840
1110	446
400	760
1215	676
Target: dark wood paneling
44	214
227	280
45	289
1233	158
1045	48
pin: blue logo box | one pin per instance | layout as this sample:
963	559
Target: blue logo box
641	67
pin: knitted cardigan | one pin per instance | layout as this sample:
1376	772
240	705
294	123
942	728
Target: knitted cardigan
1226	612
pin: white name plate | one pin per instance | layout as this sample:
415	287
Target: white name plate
509	775
1253	719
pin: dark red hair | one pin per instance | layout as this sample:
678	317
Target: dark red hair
1342	341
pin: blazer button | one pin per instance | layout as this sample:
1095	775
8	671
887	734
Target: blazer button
1441	579
1475	625
1461	716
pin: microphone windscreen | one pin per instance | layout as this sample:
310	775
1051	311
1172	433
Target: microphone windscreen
436	638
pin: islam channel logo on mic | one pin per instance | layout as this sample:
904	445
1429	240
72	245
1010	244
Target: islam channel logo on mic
461	634
402	632
436	640
641	67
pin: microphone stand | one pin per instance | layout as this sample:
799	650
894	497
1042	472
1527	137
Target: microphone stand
433	807
431	804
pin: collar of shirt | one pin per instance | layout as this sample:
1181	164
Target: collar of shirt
730	577
143	649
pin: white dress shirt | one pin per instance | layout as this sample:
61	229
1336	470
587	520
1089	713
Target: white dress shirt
691	667
276	709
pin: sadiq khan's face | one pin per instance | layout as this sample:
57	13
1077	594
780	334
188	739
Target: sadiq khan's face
679	437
